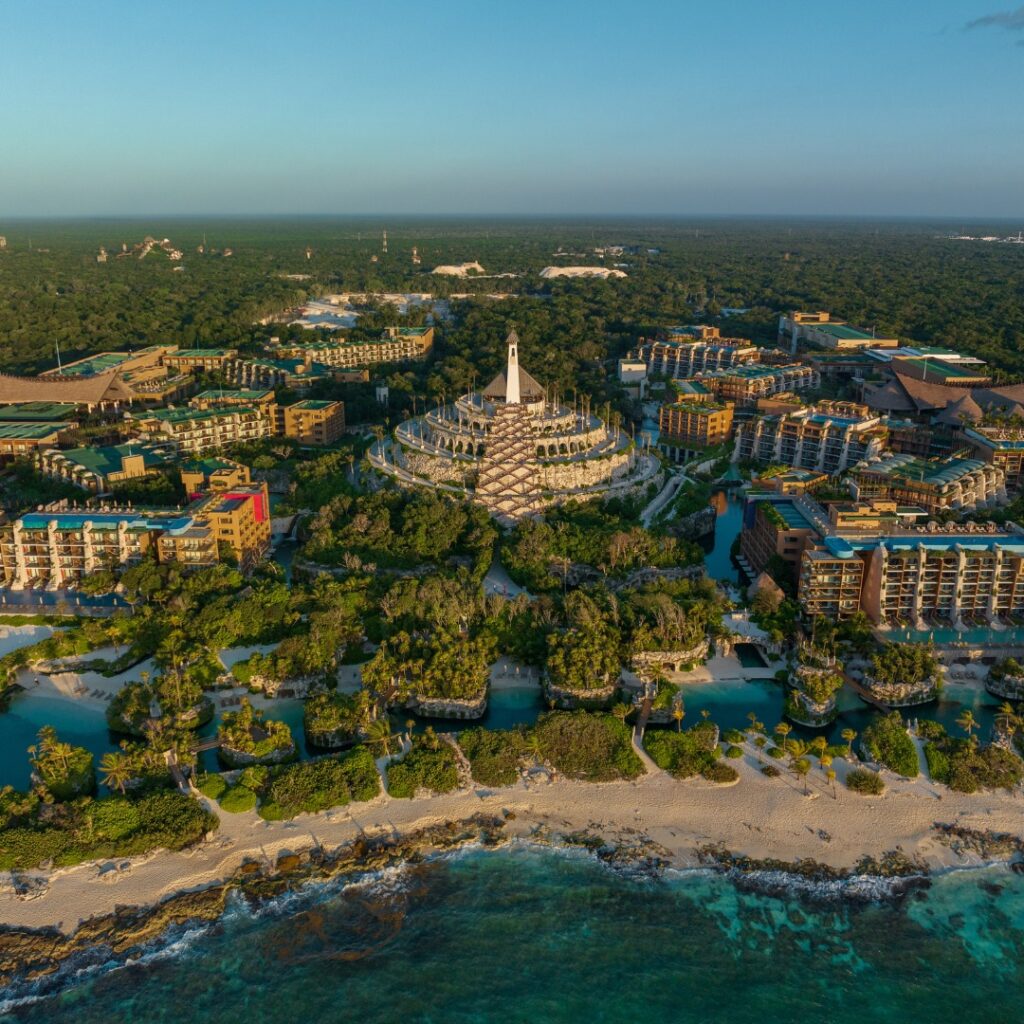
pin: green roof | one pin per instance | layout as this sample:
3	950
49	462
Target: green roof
29	431
841	331
180	415
104	461
312	403
39	411
236	394
100	363
208	466
939	369
202	353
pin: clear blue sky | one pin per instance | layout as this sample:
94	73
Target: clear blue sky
520	107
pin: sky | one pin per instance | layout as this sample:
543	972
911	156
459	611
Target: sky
833	107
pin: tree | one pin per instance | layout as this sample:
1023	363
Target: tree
968	723
378	734
783	729
677	714
117	771
801	767
849	735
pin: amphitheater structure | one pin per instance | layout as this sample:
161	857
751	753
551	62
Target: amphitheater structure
514	449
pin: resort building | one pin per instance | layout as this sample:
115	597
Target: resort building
937	371
218	398
1001	447
99	469
688	427
21	438
919	579
686	351
744	385
513	450
102	363
207	360
213	475
828	437
395	345
947	485
297	374
820	329
40	412
790	481
829	585
780	526
201	430
56	548
238	517
312	422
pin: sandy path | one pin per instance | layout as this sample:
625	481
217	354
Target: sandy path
759	817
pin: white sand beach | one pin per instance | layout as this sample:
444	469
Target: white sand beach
759	817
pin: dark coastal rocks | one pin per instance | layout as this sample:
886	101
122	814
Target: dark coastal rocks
983	843
870	880
32	958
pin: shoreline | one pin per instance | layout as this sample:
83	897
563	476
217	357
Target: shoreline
759	819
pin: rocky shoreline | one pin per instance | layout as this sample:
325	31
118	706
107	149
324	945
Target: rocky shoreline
36	962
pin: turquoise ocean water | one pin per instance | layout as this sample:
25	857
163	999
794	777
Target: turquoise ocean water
528	935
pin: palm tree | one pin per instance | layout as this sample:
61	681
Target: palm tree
1008	719
819	745
677	714
825	760
117	771
783	729
705	714
378	734
968	723
752	719
622	710
801	766
849	735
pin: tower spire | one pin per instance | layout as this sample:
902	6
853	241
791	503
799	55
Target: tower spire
512	373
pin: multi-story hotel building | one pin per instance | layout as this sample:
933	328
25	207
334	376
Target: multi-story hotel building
777	525
312	422
21	438
999	446
395	345
201	430
218	398
951	484
917	578
212	475
209	360
237	516
829	437
98	469
744	385
688	427
56	548
689	350
819	328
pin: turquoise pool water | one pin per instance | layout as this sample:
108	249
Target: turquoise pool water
544	937
729	521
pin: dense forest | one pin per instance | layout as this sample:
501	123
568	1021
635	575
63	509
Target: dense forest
904	277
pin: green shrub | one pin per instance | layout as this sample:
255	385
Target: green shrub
967	767
720	773
682	754
212	785
311	786
886	740
113	826
584	745
733	751
424	767
777	752
733	736
238	799
770	771
930	730
938	762
493	755
865	782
